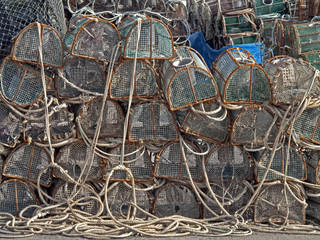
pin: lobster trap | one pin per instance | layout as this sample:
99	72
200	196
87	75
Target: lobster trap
176	199
112	120
233	197
293	166
78	161
83	73
313	58
10	126
313	168
290	80
21	84
226	162
152	121
123	6
146	38
60	119
170	162
212	128
255	126
145	80
136	158
267	7
313	207
80	197
266	25
100	6
15	196
226	5
26	162
176	10
26	46
277	204
120	200
85	36
240	79
301	9
186	80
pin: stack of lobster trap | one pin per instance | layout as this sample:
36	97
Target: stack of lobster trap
112	99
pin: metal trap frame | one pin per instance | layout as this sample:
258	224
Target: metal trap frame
265	7
21	84
228	162
112	123
145	80
226	5
85	35
240	79
187	80
296	168
155	39
152	121
26	162
271	205
85	74
26	46
170	164
15	196
176	199
72	158
136	158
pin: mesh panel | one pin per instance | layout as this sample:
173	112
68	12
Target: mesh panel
16	15
204	127
113	118
85	74
176	199
237	23
141	167
145	81
313	210
170	163
103	5
65	190
123	6
176	10
271	205
26	162
296	164
233	196
306	37
72	158
85	36
10	126
313	168
251	127
16	195
264	7
290	79
26	47
152	121
228	162
227	5
20	85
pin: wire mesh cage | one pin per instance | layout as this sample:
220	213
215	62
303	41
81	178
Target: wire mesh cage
228	162
158	6
80	197
85	74
255	126
10	126
240	79
186	80
314	8
145	80
16	15
210	128
85	35
78	161
300	8
266	25
290	80
26	162
152	121
176	10
226	5
176	199
313	168
293	166
60	119
120	200
313	58
123	6
171	164
26	45
306	37
136	158
99	6
152	36
112	120
265	7
313	210
180	31
276	203
232	195
16	195
21	84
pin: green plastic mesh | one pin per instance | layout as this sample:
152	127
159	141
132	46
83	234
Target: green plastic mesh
237	24
265	7
313	58
306	37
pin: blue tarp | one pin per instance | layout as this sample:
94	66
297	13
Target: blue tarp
198	42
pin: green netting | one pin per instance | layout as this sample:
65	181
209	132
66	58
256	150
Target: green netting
237	24
264	7
306	37
254	38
